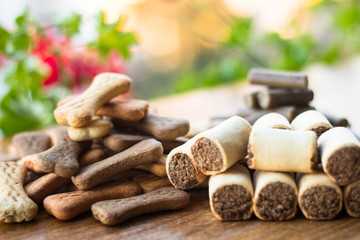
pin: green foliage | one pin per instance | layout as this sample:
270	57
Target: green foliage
70	26
109	38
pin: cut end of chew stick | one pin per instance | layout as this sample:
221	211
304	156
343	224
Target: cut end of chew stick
272	98
352	199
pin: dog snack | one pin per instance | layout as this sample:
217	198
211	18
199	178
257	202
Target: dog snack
93	155
28	143
275	196
319	197
146	151
131	111
120	142
32	176
231	194
311	121
162	128
15	205
60	159
283	150
113	212
79	111
45	186
352	199
157	168
278	79
272	98
217	149
337	121
170	145
251	100
96	129
150	182
9	157
181	169
66	206
272	120
340	155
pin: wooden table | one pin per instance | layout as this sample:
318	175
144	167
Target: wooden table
196	221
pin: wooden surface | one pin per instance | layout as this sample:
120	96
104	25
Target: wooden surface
336	91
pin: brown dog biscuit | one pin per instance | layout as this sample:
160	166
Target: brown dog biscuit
113	212
60	159
120	142
157	168
15	205
162	128
65	206
170	145
32	176
146	151
352	199
96	129
93	155
45	186
28	143
79	111
150	182
131	111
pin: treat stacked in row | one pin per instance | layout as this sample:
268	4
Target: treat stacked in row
108	150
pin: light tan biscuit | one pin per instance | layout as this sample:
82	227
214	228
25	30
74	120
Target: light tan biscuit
15	205
79	111
157	168
150	182
96	129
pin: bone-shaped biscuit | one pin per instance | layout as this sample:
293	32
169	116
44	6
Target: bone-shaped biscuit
96	129
15	205
60	159
113	212
28	143
150	182
79	111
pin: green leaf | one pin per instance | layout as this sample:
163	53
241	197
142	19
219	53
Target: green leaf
71	24
4	40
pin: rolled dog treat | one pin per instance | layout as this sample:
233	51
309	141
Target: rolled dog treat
278	79
231	194
181	169
352	199
170	145
319	197
340	155
217	149
251	100
272	98
275	195
311	121
272	120
283	150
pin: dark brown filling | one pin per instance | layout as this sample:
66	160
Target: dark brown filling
276	201
320	202
353	201
207	155
319	130
344	165
232	202
182	172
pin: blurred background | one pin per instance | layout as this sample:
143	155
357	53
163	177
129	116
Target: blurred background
51	49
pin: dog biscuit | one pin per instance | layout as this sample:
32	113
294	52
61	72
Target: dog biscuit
150	182
28	143
96	129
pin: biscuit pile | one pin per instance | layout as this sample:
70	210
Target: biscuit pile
107	152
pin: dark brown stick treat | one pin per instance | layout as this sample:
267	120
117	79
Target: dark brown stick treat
120	142
66	206
311	121
231	194
113	212
28	143
131	111
275	195
150	182
352	199
340	155
278	79
251	100
45	186
272	98
157	168
170	145
61	158
146	151
319	197
337	121
162	128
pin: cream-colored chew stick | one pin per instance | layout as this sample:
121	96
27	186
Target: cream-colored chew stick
275	195
231	194
352	199
311	120
340	155
319	197
15	205
283	150
272	120
181	169
217	149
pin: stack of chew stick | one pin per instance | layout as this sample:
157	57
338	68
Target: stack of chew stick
107	152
